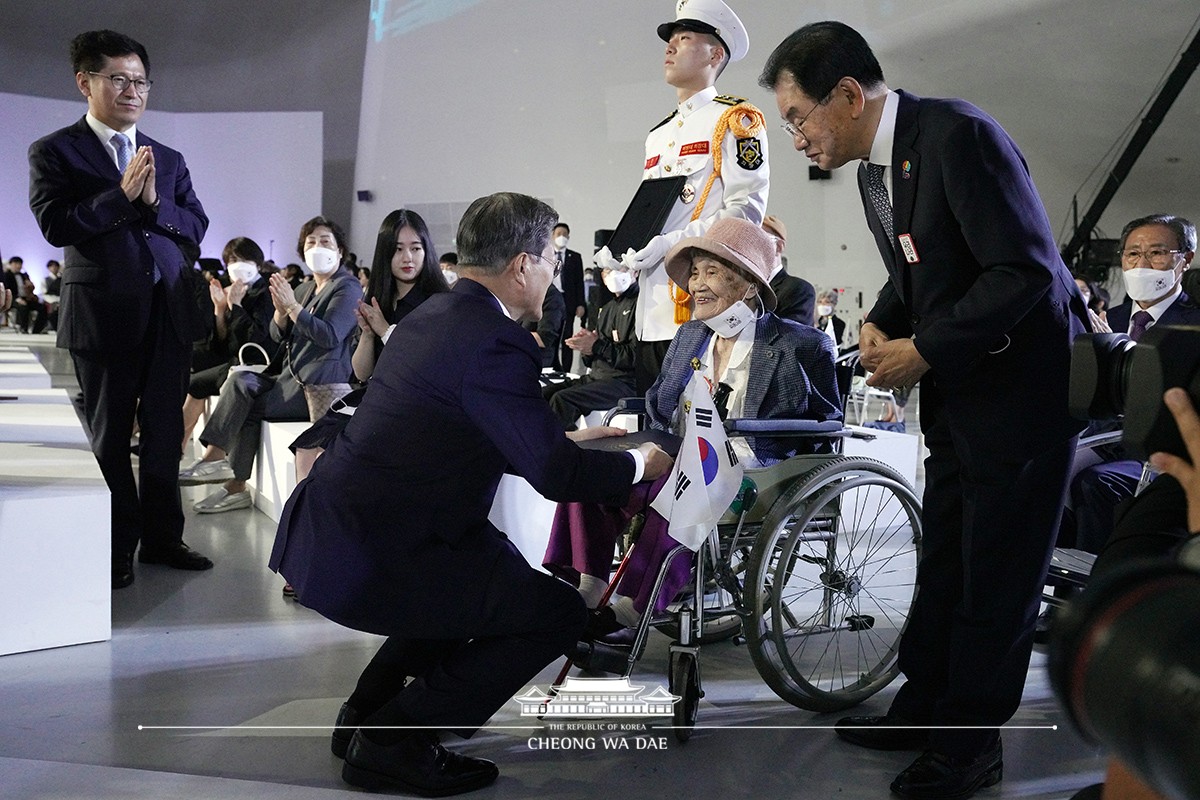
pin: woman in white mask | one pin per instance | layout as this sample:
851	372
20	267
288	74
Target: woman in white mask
241	313
760	367
312	328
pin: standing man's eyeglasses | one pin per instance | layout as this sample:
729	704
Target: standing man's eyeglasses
121	82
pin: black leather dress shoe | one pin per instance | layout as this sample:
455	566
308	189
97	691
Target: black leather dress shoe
122	571
888	732
416	764
936	776
344	728
601	622
175	556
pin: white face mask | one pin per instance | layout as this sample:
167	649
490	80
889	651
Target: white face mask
322	260
1144	284
617	281
731	321
451	276
824	311
243	271
560	243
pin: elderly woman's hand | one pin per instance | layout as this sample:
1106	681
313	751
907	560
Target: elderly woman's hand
598	432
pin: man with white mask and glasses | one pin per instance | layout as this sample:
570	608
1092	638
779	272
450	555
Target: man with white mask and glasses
1155	251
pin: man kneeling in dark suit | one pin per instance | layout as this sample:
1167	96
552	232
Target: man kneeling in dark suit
389	533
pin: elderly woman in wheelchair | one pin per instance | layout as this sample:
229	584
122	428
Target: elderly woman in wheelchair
757	365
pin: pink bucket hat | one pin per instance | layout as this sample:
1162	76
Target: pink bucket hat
741	243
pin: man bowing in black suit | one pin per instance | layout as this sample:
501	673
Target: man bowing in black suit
122	205
980	308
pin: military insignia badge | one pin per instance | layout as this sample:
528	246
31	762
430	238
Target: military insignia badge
687	194
749	153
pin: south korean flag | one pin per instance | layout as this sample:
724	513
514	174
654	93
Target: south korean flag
706	476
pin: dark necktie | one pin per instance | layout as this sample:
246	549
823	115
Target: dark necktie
1138	324
879	199
124	151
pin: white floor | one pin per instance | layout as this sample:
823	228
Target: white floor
223	651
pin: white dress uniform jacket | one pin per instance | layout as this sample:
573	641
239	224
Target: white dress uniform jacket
682	145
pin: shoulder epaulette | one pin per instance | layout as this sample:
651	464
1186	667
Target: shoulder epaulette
729	99
668	118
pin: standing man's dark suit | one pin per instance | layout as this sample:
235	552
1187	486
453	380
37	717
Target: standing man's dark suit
979	308
573	296
128	313
797	299
993	311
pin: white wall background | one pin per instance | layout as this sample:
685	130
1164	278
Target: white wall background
257	174
555	100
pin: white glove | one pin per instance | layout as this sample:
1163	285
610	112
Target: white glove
604	259
650	255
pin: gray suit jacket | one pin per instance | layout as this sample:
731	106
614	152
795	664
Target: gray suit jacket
318	345
791	377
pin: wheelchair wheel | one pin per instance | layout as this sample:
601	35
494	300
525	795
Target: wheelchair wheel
685	684
830	582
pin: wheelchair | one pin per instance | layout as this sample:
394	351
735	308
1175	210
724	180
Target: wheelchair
813	568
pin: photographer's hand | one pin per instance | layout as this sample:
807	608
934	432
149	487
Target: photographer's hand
1188	475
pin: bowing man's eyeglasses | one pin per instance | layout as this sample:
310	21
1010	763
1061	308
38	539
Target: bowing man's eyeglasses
122	82
796	129
555	263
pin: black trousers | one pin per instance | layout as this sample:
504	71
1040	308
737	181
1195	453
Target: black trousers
571	400
649	363
529	618
989	530
150	381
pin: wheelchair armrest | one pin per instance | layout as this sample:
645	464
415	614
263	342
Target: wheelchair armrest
1099	439
626	405
784	427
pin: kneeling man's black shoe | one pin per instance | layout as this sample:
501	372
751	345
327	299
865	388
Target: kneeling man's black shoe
888	732
418	764
348	720
936	776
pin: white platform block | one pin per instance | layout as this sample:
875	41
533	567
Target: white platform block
23	375
900	451
524	516
274	475
55	535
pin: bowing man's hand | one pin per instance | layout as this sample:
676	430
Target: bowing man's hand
658	463
870	338
898	365
598	432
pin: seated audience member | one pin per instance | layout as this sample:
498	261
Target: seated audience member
315	326
11	277
1155	250
241	314
50	291
448	263
547	331
389	534
609	351
364	278
1154	525
294	274
796	297
827	319
775	369
31	316
403	276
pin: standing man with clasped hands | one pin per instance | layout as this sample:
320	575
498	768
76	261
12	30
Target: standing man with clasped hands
978	307
121	204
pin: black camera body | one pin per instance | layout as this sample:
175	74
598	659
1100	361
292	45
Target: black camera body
1111	376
